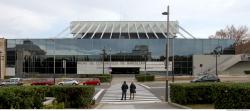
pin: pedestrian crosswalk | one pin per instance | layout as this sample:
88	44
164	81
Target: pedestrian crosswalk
142	95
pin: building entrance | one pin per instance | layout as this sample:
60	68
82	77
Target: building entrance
125	70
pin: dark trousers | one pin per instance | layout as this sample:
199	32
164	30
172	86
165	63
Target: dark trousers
132	96
124	94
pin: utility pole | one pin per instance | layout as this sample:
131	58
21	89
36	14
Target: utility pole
167	55
216	64
167	91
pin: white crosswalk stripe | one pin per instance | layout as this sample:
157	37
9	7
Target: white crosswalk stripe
142	95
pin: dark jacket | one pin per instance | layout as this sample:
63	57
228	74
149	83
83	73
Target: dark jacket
124	87
132	88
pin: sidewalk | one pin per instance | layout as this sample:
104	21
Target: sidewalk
162	105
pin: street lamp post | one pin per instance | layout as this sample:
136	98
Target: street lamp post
173	59
217	52
0	64
110	58
54	57
103	56
167	54
110	69
145	64
145	67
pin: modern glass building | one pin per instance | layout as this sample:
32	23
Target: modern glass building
36	56
116	52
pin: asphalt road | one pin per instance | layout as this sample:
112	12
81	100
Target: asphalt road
157	88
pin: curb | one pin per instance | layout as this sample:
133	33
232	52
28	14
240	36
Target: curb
98	94
49	100
98	106
179	106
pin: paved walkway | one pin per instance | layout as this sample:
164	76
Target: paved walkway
162	105
144	99
113	96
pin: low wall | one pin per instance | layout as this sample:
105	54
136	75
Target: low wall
238	69
207	61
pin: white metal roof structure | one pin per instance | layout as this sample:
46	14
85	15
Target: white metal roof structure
123	29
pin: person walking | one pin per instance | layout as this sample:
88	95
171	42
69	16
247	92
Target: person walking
124	90
132	90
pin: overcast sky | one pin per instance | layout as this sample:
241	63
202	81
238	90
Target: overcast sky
47	18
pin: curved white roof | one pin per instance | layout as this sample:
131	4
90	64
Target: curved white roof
92	29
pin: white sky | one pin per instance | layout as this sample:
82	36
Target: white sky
46	18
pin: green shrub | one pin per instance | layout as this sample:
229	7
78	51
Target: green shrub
192	93
8	77
232	96
29	97
73	96
20	98
104	78
143	77
247	72
222	95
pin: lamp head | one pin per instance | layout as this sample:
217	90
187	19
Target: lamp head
164	13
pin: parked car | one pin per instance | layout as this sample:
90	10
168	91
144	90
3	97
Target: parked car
43	82
207	78
68	82
95	81
12	82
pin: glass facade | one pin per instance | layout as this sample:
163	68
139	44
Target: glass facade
36	56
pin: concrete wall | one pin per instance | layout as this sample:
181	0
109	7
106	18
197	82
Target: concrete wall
84	67
208	61
237	69
2	58
10	71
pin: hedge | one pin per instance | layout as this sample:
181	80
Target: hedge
29	97
144	77
192	93
247	72
104	77
222	95
73	96
233	96
20	98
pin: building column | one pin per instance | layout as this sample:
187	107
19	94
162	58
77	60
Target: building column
2	58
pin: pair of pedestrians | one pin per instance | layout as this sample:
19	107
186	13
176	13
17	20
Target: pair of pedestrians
125	88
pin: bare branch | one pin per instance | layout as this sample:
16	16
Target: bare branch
230	32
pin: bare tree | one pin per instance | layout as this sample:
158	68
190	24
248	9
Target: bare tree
230	32
243	48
